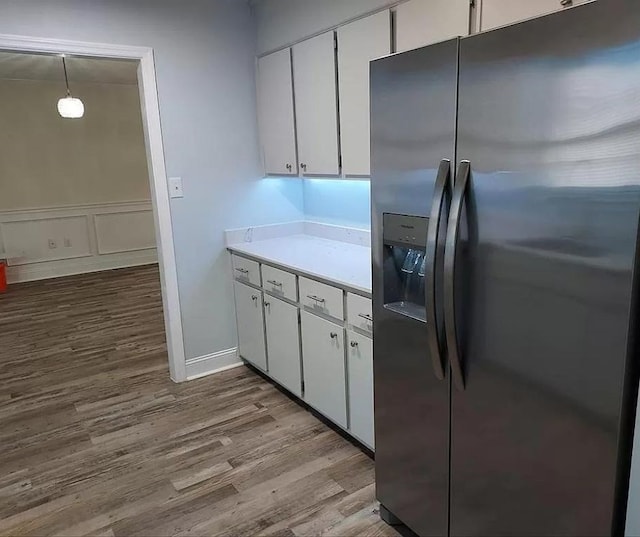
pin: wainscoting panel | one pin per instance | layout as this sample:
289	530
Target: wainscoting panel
52	242
46	239
125	231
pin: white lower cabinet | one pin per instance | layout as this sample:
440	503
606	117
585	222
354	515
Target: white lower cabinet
360	380
283	343
285	330
250	319
323	360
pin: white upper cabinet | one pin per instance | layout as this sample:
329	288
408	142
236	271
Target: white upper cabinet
275	113
314	76
423	22
495	13
358	43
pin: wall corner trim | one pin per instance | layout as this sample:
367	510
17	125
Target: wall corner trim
216	362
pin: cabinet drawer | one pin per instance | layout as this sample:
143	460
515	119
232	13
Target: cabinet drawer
246	270
279	283
359	312
321	298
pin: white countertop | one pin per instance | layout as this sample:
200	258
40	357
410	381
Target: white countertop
344	264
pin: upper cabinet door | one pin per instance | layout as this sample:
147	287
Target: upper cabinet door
275	113
423	22
495	13
314	75
358	43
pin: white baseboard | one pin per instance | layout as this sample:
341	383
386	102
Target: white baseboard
69	267
216	362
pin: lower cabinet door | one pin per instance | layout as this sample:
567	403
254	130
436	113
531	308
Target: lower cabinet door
250	318
360	369
283	343
323	361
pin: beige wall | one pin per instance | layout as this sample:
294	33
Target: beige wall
48	161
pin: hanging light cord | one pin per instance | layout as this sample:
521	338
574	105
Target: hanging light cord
66	78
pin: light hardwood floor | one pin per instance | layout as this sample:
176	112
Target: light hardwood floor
96	440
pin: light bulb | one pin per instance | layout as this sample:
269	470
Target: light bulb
70	107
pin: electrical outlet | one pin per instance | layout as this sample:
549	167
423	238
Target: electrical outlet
52	244
67	242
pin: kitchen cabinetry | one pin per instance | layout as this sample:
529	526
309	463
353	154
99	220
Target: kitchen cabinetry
275	113
358	43
294	329
494	13
250	319
423	22
283	343
323	358
360	380
314	76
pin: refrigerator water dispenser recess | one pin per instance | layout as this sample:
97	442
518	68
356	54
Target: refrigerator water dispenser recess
404	239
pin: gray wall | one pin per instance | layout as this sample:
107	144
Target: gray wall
204	52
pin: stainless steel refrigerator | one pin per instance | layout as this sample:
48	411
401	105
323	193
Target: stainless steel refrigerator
505	206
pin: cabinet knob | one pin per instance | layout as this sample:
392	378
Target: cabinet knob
303	166
267	304
254	297
354	344
288	166
333	335
566	3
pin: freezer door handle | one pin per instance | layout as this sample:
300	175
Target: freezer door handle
441	194
453	232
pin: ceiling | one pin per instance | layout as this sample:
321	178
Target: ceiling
17	66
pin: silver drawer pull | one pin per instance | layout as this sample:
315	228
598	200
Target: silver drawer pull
354	344
243	270
314	297
333	335
366	316
273	282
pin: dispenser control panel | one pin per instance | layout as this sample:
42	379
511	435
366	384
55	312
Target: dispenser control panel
405	230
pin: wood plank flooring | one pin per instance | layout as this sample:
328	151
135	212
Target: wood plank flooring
95	439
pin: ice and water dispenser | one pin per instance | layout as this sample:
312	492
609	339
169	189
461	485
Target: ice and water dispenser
404	240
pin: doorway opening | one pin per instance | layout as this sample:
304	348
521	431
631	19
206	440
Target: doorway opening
118	221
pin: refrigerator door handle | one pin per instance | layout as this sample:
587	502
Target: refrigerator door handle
453	231
441	191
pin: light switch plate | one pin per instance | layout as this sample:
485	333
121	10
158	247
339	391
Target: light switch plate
175	187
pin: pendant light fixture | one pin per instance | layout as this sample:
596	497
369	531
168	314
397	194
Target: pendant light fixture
69	107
